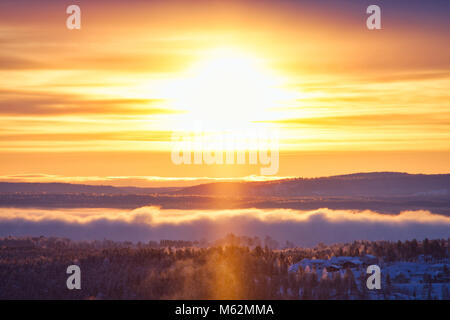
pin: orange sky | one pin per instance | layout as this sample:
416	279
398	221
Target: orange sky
104	101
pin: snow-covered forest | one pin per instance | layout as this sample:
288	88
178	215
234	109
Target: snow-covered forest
231	268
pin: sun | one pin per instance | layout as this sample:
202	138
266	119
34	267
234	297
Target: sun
226	88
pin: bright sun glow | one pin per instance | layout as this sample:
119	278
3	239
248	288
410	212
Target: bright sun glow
227	88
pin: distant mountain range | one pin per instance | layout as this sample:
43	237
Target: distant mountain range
64	188
376	184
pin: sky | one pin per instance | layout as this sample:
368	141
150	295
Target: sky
102	103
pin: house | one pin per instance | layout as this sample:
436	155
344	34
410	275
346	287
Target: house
334	264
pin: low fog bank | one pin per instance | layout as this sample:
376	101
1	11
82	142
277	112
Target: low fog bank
304	228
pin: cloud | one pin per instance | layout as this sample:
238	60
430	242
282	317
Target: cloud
364	120
96	136
16	63
25	103
150	223
139	181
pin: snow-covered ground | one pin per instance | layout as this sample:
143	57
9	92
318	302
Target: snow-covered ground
425	278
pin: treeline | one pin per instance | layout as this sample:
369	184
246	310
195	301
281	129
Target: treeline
35	268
